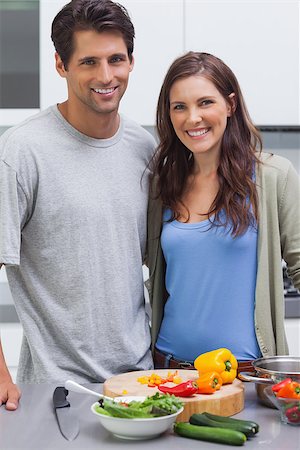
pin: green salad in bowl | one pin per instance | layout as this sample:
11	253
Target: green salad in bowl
132	417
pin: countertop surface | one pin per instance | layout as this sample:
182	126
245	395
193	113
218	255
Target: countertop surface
33	426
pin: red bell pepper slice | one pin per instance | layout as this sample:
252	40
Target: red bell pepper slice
278	386
181	390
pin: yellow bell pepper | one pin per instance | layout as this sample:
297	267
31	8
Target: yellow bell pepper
221	361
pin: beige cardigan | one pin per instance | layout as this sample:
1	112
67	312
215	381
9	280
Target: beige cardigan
278	237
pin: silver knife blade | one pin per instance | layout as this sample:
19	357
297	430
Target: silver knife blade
67	421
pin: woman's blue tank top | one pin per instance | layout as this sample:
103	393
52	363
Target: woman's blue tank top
211	280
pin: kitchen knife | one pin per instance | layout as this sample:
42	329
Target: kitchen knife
67	422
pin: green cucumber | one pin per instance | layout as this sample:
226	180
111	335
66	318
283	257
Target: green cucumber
232	420
202	419
220	435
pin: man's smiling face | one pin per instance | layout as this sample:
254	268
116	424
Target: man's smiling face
98	71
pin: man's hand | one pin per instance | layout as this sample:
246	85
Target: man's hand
9	394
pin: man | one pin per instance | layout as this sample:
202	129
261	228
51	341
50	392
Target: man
73	202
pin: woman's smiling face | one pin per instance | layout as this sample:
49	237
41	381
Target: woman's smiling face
199	114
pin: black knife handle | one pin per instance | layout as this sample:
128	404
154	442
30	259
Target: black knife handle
60	397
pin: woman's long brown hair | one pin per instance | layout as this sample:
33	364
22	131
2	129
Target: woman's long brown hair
173	162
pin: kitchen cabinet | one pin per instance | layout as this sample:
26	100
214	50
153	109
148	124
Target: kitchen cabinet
19	60
259	40
159	40
52	87
292	329
19	54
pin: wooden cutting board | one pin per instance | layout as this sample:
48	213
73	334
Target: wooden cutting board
229	400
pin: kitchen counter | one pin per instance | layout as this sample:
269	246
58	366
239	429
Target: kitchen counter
33	426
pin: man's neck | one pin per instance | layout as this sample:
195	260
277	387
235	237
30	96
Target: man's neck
94	125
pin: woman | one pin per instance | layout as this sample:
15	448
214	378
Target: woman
223	214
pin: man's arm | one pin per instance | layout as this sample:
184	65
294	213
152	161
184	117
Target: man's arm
9	392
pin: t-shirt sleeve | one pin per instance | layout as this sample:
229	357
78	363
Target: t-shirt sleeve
13	213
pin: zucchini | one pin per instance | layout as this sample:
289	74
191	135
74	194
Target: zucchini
220	435
254	425
202	419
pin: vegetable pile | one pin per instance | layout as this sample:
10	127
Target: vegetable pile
215	368
289	391
155	406
213	428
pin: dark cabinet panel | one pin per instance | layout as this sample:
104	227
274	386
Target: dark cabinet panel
19	54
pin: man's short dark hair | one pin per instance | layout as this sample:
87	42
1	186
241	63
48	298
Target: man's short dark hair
97	15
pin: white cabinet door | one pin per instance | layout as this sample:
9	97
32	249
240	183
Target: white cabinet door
159	40
259	40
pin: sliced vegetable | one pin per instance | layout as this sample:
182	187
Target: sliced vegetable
174	377
209	382
185	389
221	361
278	386
221	435
156	380
152	381
202	419
223	419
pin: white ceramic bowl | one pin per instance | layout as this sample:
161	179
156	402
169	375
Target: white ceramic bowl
135	429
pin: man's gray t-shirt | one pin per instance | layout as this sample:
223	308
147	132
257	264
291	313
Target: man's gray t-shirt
72	236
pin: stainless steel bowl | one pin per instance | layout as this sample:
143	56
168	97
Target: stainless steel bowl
271	370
